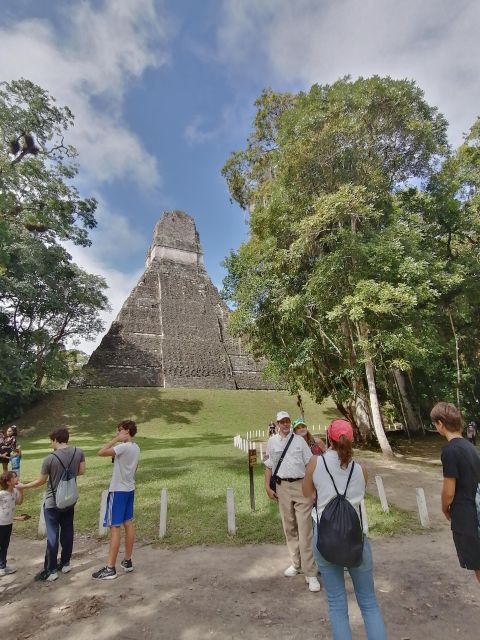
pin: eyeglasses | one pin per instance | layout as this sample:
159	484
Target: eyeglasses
284	421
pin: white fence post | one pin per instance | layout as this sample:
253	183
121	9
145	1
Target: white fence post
162	529
102	531
230	513
381	494
422	507
261	453
42	528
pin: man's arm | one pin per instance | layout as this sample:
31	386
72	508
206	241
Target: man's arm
306	453
18	496
81	468
271	494
108	451
35	483
448	493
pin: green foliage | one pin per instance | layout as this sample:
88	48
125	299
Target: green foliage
45	299
347	265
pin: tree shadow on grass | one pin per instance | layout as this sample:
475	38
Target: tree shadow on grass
82	409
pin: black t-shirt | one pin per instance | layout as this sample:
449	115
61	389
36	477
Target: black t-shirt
461	461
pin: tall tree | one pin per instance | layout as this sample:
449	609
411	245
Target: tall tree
326	285
45	299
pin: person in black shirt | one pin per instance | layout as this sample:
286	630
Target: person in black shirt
461	477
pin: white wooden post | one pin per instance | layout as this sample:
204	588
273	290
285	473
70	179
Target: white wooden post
102	531
363	510
261	453
230	513
422	507
42	528
162	529
381	493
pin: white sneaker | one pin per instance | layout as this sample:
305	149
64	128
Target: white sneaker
52	577
313	583
291	571
7	571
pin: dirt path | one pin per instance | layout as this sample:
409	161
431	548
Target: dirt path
401	477
230	593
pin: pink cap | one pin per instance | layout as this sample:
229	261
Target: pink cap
339	428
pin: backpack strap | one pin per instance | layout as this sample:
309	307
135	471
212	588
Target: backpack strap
333	481
65	468
283	455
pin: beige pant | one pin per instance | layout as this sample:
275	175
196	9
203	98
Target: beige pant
295	511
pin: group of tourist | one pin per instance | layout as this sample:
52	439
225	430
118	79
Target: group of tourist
59	472
319	491
332	537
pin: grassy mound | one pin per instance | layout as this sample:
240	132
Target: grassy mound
186	442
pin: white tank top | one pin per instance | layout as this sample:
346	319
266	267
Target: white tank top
324	486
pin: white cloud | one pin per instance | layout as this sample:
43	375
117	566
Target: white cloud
119	283
92	62
299	43
113	237
201	129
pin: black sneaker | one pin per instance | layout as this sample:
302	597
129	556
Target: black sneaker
106	573
126	565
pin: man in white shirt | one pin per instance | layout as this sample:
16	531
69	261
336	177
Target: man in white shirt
295	509
124	453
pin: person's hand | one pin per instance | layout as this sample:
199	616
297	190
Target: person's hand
20	486
122	435
447	515
271	494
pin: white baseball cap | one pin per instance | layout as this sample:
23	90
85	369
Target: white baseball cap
281	415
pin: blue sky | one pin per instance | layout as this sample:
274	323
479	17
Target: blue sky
163	91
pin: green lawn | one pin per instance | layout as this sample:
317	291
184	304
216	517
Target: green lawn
186	442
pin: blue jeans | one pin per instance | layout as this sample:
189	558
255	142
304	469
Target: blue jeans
333	577
59	525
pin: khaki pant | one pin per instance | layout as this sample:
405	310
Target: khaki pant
295	511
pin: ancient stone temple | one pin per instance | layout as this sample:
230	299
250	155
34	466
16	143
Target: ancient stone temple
172	330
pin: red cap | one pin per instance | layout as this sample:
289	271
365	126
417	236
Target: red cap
339	428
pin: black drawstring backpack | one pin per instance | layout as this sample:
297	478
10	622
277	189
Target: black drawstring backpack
340	530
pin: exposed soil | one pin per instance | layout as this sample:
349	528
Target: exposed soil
239	592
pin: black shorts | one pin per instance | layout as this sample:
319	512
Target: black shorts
468	550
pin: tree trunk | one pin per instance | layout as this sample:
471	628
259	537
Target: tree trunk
375	408
414	425
362	415
457	357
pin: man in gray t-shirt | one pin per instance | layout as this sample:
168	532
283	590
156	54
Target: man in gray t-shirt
58	522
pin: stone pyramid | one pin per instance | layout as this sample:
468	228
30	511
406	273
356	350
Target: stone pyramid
172	330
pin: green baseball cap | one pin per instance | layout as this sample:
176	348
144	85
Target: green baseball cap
298	422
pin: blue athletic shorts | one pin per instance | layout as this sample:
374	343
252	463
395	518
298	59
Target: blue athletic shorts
119	508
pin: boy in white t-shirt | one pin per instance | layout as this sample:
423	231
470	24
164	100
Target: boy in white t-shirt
125	454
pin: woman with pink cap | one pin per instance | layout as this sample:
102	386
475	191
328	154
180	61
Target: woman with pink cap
338	463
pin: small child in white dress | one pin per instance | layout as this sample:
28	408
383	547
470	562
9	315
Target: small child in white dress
10	496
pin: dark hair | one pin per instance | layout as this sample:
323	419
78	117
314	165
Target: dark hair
448	414
5	477
344	448
13	428
61	435
128	425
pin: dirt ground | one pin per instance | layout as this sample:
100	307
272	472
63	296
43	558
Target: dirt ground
220	592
